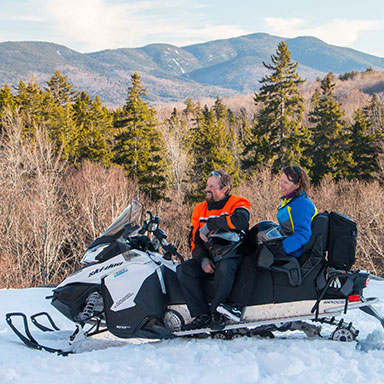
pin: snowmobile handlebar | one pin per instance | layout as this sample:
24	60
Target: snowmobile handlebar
169	249
152	225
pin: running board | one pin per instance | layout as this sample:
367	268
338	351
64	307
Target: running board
353	305
244	324
279	313
301	308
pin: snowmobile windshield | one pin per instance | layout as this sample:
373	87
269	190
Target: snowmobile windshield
131	214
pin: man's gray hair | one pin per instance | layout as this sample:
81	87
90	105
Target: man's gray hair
224	178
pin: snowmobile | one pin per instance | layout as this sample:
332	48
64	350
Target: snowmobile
128	286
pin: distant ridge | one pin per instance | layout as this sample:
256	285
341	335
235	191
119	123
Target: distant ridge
222	67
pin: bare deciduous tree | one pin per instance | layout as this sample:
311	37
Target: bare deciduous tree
94	197
31	222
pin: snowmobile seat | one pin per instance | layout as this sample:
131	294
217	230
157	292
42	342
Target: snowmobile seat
298	269
317	246
288	265
318	241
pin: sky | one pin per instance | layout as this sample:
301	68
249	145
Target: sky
94	25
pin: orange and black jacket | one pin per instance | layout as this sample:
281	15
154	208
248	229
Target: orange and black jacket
231	214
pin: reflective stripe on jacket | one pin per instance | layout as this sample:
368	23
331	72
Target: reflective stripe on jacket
231	214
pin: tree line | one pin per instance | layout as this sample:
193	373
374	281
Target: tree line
176	155
69	165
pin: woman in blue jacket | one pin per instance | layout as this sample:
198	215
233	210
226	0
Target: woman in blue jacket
296	210
295	214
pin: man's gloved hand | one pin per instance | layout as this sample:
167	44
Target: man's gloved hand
207	265
204	231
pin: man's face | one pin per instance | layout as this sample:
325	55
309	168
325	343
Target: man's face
213	191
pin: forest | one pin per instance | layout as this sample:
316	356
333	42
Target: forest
69	165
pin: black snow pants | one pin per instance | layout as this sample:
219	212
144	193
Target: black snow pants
191	278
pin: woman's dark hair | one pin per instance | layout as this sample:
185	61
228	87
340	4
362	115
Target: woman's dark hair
298	175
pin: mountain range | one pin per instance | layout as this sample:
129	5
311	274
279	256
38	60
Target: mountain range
171	74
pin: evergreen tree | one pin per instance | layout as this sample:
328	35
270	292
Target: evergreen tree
38	108
29	99
211	148
93	131
7	103
364	147
63	129
245	131
7	100
228	118
220	109
138	143
330	152
190	108
278	136
375	114
191	113
61	90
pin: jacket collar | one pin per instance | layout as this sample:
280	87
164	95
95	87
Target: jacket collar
286	199
218	204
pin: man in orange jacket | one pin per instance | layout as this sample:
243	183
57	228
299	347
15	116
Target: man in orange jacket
220	211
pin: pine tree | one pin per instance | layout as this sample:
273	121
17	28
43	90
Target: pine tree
93	131
330	152
7	100
220	109
364	147
63	129
228	119
244	127
191	113
7	103
138	143
61	90
278	137
211	147
375	114
35	107
190	107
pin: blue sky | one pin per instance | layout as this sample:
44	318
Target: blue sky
93	25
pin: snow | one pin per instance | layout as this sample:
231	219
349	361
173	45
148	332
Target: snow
288	358
180	67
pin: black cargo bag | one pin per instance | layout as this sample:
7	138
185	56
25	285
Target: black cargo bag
342	241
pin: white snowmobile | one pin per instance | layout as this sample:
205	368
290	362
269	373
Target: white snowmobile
128	286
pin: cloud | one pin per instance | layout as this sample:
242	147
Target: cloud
91	25
337	31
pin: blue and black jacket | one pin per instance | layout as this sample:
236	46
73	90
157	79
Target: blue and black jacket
295	218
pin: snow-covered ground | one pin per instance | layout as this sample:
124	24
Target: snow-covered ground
289	358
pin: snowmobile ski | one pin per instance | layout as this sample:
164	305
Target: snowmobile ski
31	342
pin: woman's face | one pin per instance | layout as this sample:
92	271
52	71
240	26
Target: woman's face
287	186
